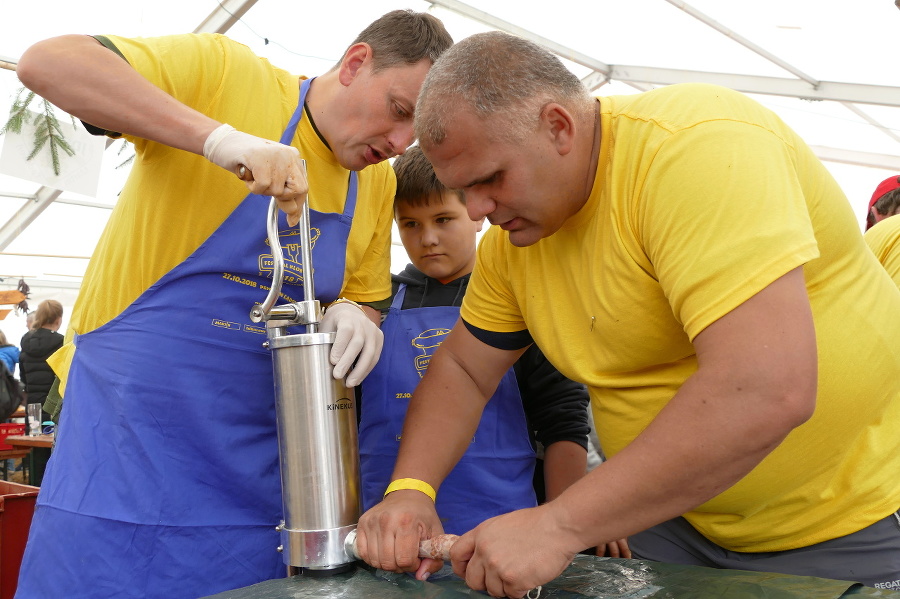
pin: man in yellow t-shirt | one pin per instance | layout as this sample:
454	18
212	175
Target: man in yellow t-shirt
684	254
885	201
164	481
884	241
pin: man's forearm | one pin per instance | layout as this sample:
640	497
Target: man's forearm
89	81
755	382
446	407
443	415
681	460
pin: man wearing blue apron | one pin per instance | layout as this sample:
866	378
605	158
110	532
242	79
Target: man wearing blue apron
532	402
164	479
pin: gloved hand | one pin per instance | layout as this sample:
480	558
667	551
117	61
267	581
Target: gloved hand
270	168
356	339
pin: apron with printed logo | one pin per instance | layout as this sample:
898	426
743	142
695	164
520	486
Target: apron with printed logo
495	474
164	481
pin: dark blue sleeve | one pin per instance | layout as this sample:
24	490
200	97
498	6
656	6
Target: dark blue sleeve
508	341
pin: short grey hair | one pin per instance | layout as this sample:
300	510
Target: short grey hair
496	73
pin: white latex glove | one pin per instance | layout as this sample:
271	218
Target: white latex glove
356	339
270	168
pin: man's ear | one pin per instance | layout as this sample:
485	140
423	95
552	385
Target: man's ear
354	58
560	126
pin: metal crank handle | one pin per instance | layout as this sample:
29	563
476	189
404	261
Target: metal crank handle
246	175
309	313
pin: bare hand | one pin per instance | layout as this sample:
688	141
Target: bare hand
511	554
388	535
614	549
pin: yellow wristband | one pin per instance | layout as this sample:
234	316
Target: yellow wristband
344	300
402	484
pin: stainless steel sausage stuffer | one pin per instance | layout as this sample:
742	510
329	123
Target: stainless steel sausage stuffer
316	422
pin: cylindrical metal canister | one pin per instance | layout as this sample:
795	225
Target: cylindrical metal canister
317	438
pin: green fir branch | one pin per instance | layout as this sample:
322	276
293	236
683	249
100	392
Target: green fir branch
19	114
39	143
47	128
47	131
56	138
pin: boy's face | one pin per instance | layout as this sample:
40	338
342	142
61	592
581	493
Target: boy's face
439	237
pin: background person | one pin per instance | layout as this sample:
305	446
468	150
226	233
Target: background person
9	353
745	426
38	344
884	238
885	201
884	241
165	472
9	356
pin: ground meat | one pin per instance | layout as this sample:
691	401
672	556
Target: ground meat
437	547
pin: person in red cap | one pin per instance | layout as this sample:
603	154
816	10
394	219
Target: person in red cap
885	201
883	233
884	241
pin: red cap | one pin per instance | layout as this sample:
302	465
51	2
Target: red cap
889	184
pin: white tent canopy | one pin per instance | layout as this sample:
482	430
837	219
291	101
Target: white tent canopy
826	67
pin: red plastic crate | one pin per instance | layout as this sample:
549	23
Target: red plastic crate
7	429
16	509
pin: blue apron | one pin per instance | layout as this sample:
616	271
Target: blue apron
164	481
495	474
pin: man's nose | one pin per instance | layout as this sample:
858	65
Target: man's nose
478	205
401	137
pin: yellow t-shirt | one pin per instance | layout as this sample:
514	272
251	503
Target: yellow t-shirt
702	198
174	200
884	240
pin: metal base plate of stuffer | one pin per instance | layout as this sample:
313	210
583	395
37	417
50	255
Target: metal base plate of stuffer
317	550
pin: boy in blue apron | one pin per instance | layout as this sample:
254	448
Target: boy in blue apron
533	403
164	480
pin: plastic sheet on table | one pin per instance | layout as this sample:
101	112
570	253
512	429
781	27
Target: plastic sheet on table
587	577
